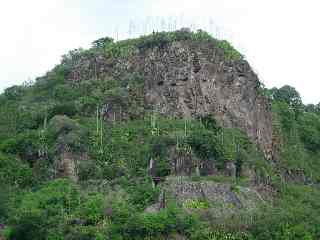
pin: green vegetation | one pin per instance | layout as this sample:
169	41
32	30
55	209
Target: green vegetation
121	49
230	52
195	204
298	133
103	124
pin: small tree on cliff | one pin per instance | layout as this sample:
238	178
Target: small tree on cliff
101	43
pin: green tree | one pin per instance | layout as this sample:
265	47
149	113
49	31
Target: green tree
310	108
101	43
287	94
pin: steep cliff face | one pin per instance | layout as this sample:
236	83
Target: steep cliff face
189	79
186	80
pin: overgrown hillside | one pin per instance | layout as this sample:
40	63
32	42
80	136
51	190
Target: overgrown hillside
168	136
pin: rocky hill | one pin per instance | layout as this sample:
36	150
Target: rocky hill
186	78
168	136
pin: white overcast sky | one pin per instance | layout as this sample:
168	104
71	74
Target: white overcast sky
280	38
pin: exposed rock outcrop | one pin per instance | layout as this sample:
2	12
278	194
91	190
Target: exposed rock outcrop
187	79
69	136
222	199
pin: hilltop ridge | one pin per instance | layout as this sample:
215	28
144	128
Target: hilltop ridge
185	75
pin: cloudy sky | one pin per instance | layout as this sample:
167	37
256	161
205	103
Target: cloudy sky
281	39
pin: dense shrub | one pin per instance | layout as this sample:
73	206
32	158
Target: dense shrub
141	193
162	39
65	93
13	172
206	233
65	130
92	209
44	85
206	145
102	42
309	129
230	53
25	145
67	109
14	93
44	210
210	123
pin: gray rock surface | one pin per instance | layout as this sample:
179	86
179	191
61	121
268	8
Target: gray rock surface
222	198
187	79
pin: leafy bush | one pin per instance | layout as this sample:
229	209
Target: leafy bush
155	40
309	129
118	50
298	135
13	172
92	209
148	225
65	92
67	109
210	123
6	193
230	53
292	218
162	39
44	210
206	233
141	193
206	146
24	145
89	170
87	105
63	130
44	85
14	93
16	118
102	42
195	204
